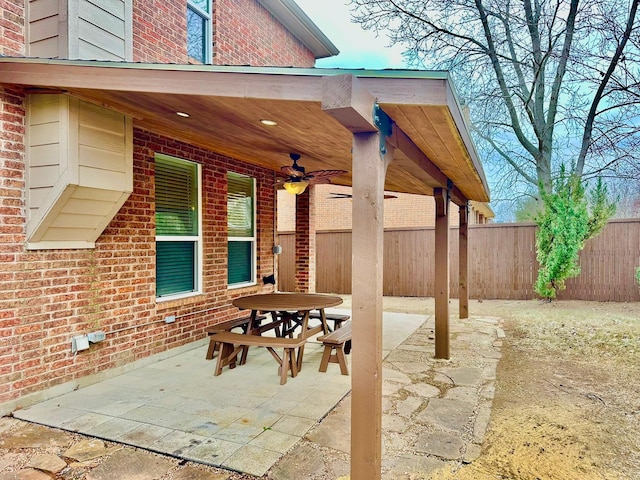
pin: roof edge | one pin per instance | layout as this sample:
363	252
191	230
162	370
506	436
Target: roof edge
301	26
264	70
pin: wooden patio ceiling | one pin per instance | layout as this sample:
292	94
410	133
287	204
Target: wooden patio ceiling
226	104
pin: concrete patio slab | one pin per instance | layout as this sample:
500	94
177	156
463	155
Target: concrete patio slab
243	420
435	412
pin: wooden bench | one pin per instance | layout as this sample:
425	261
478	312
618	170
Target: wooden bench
336	318
227	326
337	344
231	344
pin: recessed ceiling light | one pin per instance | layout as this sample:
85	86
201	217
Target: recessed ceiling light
268	122
182	114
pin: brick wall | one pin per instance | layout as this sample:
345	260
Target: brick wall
160	31
247	34
48	296
12	27
305	243
403	211
244	33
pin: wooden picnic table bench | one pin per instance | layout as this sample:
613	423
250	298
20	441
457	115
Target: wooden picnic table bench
227	326
337	344
231	344
288	309
336	318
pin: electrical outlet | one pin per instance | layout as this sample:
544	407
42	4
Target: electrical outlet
170	319
98	336
79	343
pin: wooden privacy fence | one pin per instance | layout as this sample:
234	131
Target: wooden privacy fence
502	263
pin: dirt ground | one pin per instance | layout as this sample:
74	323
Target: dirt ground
567	402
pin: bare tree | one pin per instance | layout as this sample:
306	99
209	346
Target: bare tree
548	82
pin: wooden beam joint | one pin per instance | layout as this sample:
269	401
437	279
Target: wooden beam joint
442	198
346	100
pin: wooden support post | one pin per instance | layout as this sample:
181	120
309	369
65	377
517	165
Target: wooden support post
352	106
368	237
463	266
441	196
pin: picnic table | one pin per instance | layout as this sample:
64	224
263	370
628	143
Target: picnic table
288	310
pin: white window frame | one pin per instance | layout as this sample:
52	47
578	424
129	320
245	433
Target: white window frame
199	256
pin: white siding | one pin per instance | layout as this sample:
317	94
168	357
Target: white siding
81	29
80	170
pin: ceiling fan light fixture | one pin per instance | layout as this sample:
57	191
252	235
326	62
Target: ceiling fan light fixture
296	187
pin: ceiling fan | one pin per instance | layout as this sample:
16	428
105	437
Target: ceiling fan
297	179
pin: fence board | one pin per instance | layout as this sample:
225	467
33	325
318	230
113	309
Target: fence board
502	263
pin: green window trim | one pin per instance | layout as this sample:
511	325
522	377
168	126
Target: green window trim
241	230
178	228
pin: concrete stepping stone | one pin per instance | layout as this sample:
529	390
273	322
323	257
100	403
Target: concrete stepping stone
410	467
47	463
192	473
35	436
463	376
451	414
310	461
132	465
423	390
86	450
441	444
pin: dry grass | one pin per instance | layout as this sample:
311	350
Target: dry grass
567	402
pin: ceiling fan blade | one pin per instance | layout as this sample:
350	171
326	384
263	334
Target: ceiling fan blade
336	196
291	172
326	173
318	180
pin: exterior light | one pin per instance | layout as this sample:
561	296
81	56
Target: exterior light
183	114
269	123
296	187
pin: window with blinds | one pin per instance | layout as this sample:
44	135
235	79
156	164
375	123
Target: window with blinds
178	238
241	230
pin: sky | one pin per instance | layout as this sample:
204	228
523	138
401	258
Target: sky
358	48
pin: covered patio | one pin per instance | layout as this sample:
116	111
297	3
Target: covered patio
391	130
434	412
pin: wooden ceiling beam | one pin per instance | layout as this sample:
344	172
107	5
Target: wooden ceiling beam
344	98
402	142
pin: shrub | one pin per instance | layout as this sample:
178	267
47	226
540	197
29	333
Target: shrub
567	220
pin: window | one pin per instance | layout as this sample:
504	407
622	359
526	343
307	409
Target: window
178	227
199	39
241	230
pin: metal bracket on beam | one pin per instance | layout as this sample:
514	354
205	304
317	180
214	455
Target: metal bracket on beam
384	124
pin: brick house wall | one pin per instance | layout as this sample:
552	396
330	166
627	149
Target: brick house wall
245	33
47	296
160	31
403	211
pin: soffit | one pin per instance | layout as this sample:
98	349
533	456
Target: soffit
227	104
